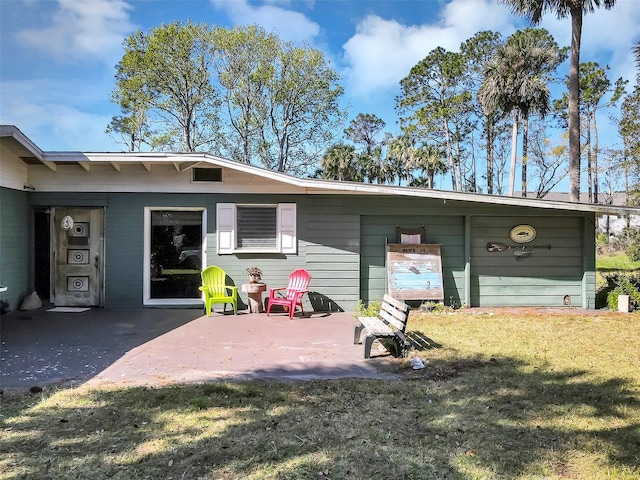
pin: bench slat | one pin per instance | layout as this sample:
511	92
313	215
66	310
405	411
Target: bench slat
398	324
399	314
396	303
376	326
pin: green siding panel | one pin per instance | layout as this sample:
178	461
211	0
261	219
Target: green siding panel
525	301
541	279
332	256
378	230
124	250
15	246
341	241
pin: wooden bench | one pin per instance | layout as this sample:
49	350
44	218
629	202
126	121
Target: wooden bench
390	323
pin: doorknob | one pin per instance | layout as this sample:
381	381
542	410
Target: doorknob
96	263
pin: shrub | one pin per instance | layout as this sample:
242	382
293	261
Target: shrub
625	285
437	307
629	241
370	310
633	252
602	242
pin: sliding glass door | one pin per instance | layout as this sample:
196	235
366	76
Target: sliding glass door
174	249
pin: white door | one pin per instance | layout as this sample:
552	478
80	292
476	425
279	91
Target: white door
78	236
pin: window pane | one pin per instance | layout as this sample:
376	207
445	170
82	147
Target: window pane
176	253
256	227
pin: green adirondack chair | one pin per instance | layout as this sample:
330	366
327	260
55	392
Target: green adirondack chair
216	291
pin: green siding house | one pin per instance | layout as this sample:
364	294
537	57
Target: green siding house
135	229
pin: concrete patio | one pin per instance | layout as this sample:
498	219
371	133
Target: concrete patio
153	347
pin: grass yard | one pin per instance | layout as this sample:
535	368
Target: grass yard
504	396
616	263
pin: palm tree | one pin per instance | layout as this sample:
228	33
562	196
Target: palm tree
496	95
338	163
541	55
399	159
516	81
534	9
432	160
478	51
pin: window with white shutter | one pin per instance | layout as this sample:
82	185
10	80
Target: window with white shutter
257	227
254	228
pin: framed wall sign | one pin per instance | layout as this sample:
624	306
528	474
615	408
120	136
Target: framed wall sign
522	233
414	272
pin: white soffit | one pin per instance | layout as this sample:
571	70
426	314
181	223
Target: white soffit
184	161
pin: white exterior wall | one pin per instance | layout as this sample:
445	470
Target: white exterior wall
13	171
135	177
617	224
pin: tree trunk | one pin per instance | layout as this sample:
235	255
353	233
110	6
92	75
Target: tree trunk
595	158
525	140
452	166
627	190
589	169
514	152
459	168
574	103
489	128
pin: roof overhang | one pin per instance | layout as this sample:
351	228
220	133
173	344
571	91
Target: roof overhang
184	161
18	143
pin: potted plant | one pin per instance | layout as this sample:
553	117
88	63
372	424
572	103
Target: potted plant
254	273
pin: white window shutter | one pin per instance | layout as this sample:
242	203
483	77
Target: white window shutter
287	227
225	227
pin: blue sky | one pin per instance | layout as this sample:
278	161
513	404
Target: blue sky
58	57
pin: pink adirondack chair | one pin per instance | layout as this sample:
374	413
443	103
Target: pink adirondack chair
298	283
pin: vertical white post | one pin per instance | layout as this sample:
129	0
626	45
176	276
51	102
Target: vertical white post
623	303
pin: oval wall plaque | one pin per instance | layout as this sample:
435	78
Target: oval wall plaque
67	223
522	233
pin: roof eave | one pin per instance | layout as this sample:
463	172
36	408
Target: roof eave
316	185
15	133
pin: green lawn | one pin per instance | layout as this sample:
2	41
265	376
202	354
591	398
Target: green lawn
616	263
504	396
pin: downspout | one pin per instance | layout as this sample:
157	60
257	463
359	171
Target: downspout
467	263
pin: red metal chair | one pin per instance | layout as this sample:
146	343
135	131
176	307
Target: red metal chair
298	283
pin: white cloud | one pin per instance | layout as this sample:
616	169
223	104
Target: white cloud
83	29
603	30
382	52
58	127
467	17
611	33
287	24
607	36
57	115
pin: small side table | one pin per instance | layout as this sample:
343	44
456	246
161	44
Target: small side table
254	292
